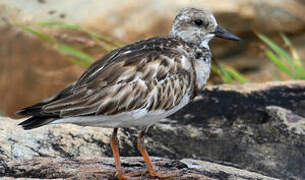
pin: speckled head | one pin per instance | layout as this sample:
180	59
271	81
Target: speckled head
198	26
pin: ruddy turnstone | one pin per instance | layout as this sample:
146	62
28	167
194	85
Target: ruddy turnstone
137	85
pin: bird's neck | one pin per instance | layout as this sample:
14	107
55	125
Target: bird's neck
202	67
198	43
198	48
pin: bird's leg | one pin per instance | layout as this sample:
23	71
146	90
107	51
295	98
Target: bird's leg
142	149
115	150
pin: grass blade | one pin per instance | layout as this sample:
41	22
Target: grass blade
215	69
60	25
38	34
300	71
236	75
277	49
82	58
228	74
286	39
87	59
93	35
79	62
277	61
226	77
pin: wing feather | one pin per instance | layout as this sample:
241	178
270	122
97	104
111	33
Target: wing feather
146	75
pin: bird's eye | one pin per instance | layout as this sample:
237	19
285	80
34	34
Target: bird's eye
198	22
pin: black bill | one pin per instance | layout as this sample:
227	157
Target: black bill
223	33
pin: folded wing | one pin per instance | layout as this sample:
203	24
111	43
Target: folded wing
147	75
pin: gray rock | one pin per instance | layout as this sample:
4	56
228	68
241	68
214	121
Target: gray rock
103	168
222	172
52	141
293	122
254	127
234	124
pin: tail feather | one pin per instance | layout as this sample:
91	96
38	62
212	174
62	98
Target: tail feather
39	116
36	121
34	110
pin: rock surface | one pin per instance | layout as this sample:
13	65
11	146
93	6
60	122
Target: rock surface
103	169
255	127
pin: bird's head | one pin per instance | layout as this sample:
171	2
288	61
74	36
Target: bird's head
197	26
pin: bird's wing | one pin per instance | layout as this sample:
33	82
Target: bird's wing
148	75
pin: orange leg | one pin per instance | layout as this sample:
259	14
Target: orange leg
150	167
115	150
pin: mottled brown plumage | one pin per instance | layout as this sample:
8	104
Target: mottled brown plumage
139	84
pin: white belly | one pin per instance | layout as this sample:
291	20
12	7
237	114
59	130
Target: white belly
139	118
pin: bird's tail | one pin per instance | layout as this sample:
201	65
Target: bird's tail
36	121
39	117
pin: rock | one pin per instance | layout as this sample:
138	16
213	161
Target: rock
293	122
102	168
254	127
52	141
237	124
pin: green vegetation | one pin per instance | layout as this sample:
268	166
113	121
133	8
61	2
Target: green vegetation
228	74
110	43
76	55
289	63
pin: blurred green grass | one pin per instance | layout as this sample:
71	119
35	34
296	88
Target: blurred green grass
75	55
228	74
288	62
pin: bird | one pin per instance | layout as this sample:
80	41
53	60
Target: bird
137	85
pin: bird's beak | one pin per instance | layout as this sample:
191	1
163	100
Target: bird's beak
223	33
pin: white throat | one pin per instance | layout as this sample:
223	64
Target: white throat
205	42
